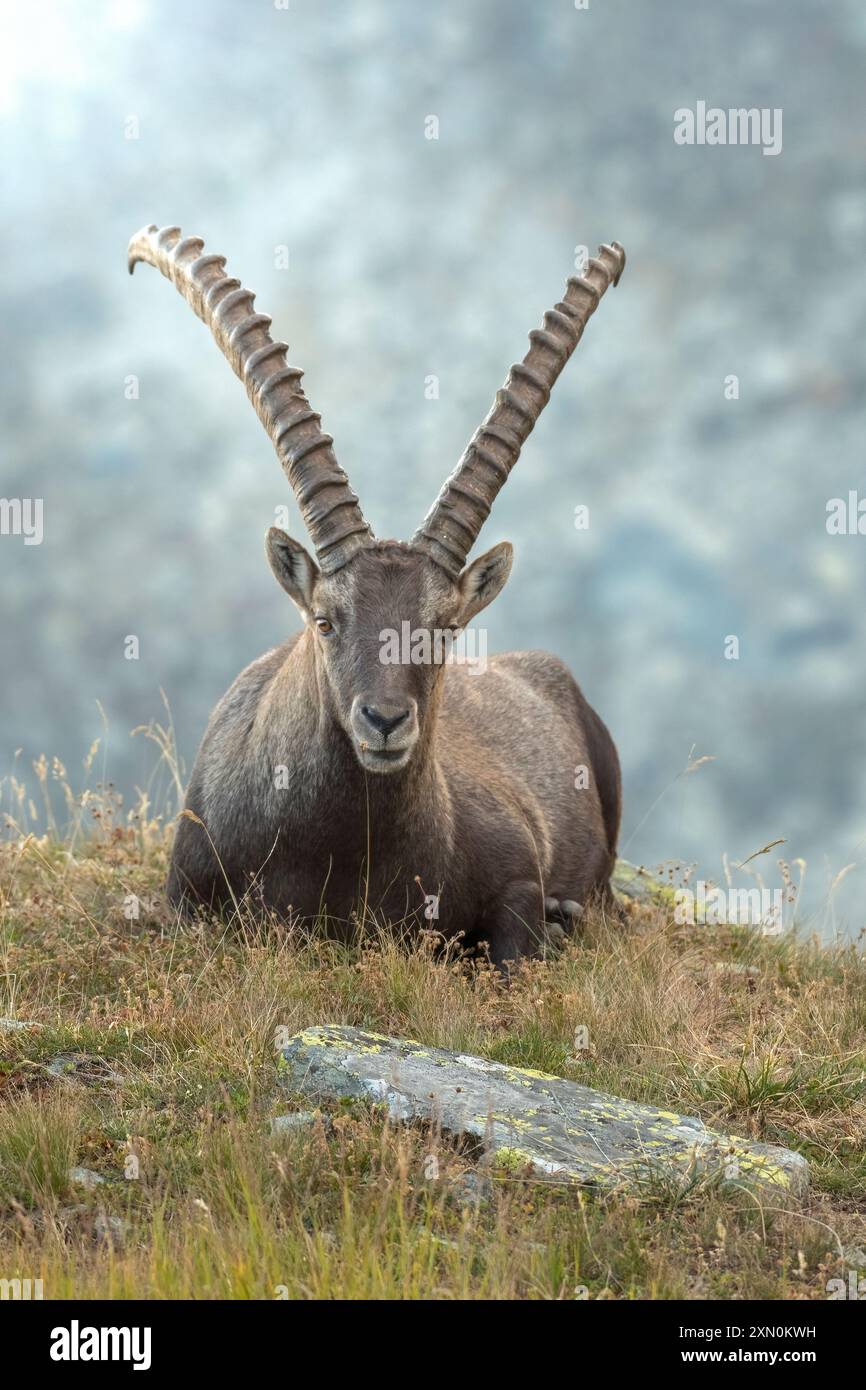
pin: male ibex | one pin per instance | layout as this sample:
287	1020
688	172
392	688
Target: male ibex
327	777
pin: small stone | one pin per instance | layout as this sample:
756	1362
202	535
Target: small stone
299	1119
473	1190
70	1215
98	1224
14	1025
84	1068
111	1229
85	1177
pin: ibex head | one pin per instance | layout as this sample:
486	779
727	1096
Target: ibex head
359	613
358	588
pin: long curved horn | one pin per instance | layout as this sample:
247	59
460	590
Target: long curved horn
451	527
328	505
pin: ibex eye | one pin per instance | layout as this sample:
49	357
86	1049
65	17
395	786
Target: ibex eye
324	626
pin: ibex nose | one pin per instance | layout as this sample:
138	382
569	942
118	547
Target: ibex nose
385	718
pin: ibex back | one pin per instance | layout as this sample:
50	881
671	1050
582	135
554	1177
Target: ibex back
332	779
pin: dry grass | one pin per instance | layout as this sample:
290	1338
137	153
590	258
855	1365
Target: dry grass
172	1105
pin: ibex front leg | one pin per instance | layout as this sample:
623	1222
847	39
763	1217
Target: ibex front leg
512	928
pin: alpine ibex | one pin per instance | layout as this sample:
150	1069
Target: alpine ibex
328	778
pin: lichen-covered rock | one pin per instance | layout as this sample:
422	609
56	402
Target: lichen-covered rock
527	1120
633	883
83	1068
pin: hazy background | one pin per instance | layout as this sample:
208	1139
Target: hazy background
260	127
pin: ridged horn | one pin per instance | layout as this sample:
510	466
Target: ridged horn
451	527
328	505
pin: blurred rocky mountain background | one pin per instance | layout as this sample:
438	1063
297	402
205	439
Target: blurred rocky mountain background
260	127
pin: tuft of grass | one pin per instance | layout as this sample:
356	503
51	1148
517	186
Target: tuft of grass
38	1144
769	1087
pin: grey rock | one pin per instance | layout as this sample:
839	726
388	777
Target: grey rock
14	1025
85	1177
634	883
100	1224
473	1190
84	1068
111	1229
526	1120
73	1214
299	1119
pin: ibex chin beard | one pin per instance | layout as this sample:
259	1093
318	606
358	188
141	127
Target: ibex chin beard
385	732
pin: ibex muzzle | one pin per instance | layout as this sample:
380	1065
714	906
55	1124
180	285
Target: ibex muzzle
496	795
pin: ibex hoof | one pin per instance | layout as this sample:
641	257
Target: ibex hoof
571	908
562	913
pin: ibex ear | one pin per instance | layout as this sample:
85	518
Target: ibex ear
481	581
292	567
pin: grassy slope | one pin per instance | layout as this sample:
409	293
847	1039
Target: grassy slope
188	1017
